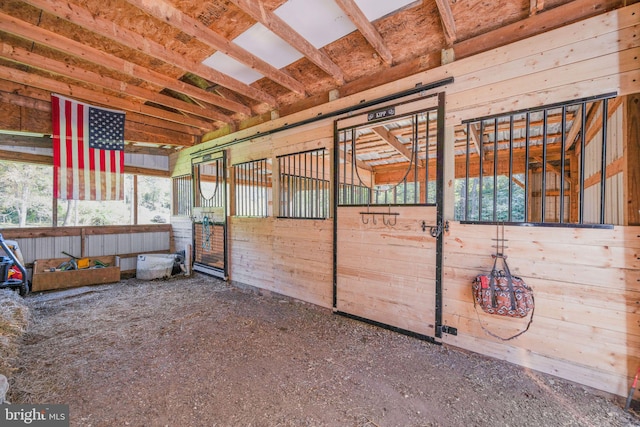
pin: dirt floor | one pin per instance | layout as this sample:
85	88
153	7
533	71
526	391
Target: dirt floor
199	352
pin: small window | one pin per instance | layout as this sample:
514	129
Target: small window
182	195
304	184
252	185
553	165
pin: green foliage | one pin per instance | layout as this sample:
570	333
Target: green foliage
27	191
472	197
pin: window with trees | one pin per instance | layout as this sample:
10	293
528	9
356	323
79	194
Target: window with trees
252	188
28	202
554	165
304	184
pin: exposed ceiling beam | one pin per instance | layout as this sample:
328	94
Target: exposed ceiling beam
535	6
108	29
390	139
167	13
25	141
366	28
96	97
349	158
475	137
23	56
448	23
52	40
257	10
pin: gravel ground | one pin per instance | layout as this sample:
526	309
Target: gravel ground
199	352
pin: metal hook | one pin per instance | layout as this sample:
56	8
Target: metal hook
362	216
374	220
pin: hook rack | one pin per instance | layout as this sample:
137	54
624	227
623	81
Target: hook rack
386	217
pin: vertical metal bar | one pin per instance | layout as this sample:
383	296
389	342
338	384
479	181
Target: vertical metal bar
336	189
510	203
426	166
495	169
582	155
563	144
439	211
526	167
353	164
480	171
290	187
305	193
603	168
543	192
466	177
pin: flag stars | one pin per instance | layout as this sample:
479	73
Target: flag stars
106	129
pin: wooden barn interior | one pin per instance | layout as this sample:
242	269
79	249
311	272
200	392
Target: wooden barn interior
366	157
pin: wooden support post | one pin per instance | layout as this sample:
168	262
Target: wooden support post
631	124
134	203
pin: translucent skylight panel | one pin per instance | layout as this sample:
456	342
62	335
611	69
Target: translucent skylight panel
320	21
374	9
229	66
264	44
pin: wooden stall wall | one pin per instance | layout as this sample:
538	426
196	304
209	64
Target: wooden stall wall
586	284
288	256
585	280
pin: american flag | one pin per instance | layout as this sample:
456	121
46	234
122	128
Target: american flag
88	151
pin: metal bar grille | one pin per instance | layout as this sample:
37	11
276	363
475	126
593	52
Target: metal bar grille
209	184
304	184
356	171
552	171
182	195
252	181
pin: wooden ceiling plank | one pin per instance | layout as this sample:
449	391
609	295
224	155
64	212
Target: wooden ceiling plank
108	29
366	28
273	22
167	13
97	97
448	23
23	56
47	38
542	22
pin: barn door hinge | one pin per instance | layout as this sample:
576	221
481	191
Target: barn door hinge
444	329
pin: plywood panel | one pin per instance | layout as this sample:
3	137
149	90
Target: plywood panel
386	273
587	288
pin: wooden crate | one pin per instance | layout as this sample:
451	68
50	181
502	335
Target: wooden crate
44	280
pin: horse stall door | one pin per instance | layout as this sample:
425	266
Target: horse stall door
388	191
210	215
386	266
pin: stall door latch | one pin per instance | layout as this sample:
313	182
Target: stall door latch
436	230
444	329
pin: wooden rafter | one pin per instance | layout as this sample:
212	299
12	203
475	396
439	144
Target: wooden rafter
97	97
448	23
167	13
476	139
23	56
391	140
366	28
273	22
349	158
110	30
52	40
